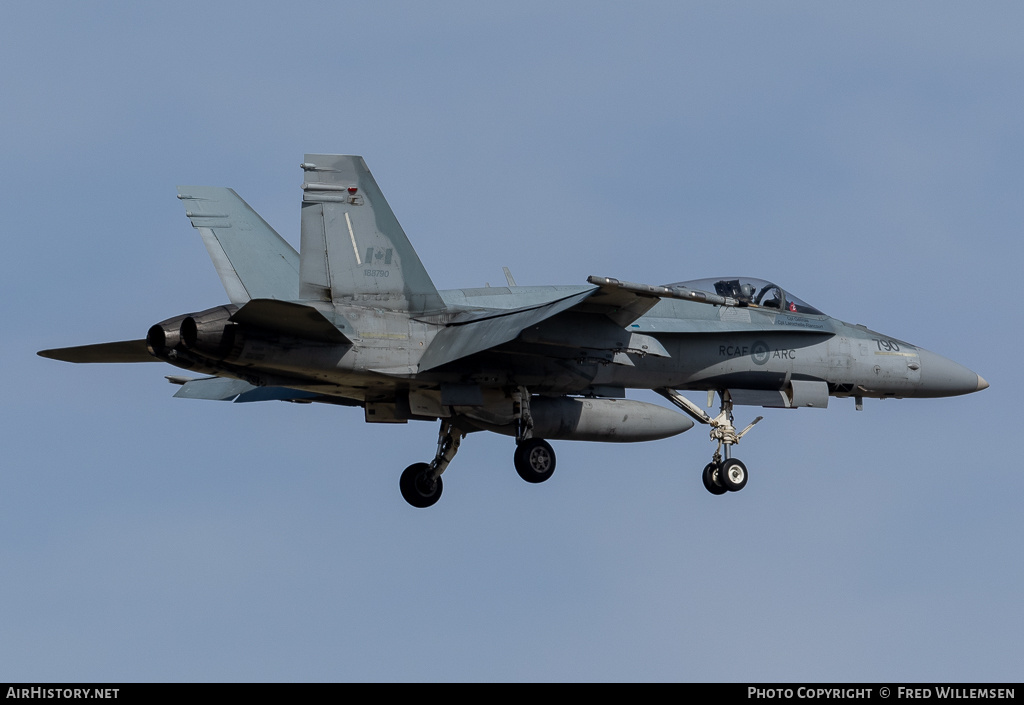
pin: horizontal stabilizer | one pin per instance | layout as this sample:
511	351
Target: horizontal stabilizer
224	389
214	388
293	319
276	394
122	351
252	260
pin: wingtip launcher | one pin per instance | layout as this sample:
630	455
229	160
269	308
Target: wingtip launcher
665	292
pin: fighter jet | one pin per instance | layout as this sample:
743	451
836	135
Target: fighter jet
354	319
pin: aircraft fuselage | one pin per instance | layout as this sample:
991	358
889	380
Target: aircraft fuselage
708	348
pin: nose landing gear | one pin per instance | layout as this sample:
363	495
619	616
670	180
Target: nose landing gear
710	478
720	475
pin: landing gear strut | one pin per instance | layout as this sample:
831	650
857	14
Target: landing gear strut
420	483
726	474
534	458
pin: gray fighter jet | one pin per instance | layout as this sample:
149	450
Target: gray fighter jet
354	319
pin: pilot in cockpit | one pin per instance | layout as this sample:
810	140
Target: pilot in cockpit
746	294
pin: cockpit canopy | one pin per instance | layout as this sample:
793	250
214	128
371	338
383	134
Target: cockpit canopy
752	292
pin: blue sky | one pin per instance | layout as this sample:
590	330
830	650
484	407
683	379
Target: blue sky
866	157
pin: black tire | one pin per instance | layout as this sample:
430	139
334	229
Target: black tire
534	460
733	475
416	490
710	478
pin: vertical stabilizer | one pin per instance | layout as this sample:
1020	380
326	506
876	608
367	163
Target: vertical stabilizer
353	248
252	260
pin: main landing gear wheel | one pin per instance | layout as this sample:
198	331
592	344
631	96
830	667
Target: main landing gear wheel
534	460
421	482
733	475
417	489
710	478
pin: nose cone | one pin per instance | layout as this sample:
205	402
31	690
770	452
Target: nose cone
941	377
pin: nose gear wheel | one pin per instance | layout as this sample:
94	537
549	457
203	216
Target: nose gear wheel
726	474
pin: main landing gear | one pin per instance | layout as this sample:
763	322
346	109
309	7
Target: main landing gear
534	458
420	483
726	474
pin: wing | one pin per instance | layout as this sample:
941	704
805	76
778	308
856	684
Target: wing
545	324
604	320
487	330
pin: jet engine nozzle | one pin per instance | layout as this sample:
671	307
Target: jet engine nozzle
211	333
164	337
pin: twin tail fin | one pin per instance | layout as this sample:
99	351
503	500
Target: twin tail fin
353	248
